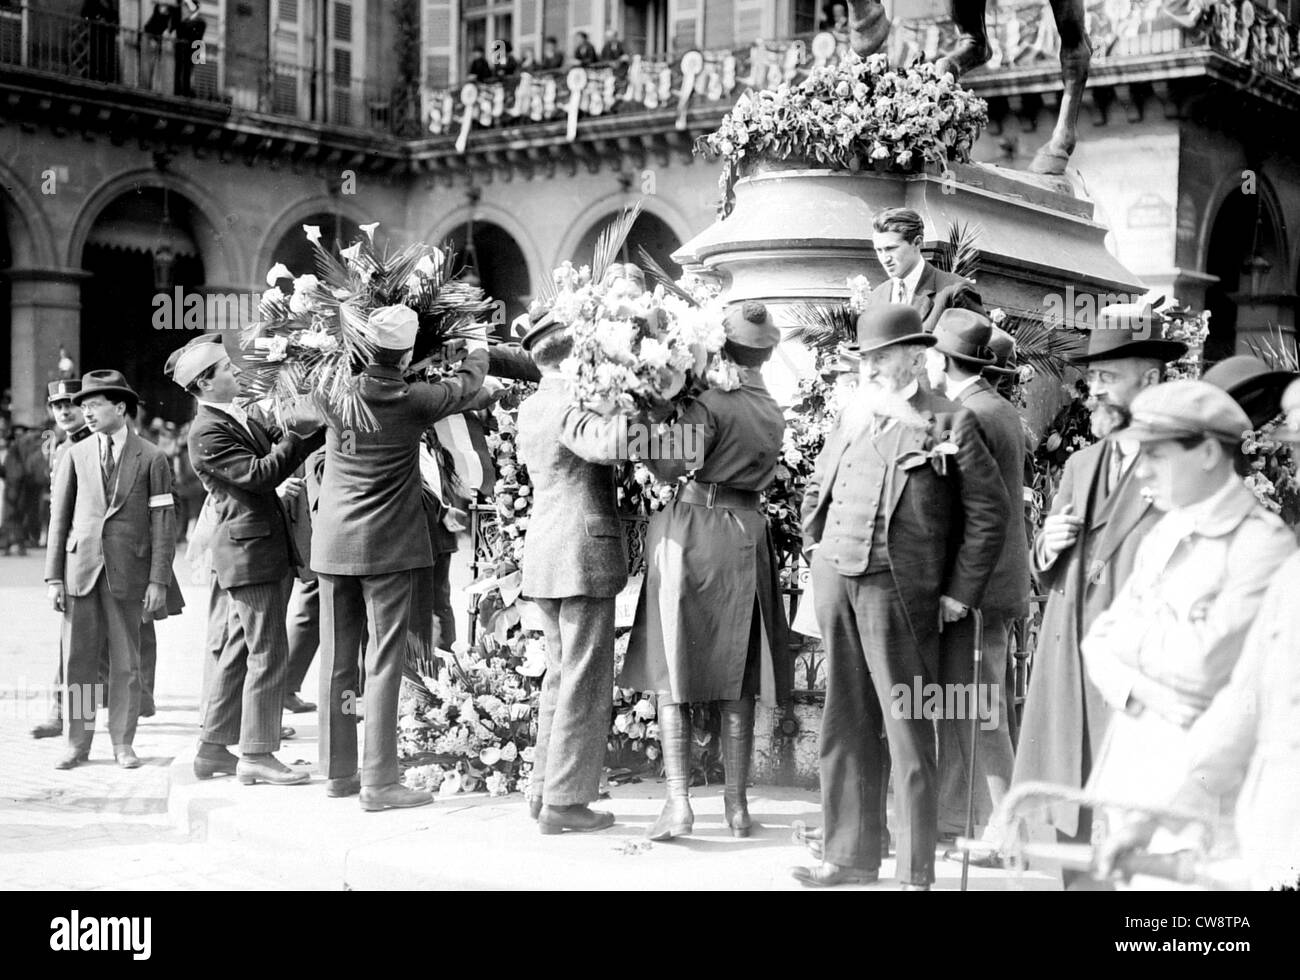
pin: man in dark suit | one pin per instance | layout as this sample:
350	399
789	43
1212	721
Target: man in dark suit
111	542
584	52
242	463
960	353
904	517
898	240
1083	555
576	566
368	556
304	600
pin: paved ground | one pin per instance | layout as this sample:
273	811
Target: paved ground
158	827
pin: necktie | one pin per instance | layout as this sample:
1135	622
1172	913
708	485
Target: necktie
900	291
108	464
1116	469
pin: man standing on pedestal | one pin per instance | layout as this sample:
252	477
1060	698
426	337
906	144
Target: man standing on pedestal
904	517
1083	555
368	544
899	234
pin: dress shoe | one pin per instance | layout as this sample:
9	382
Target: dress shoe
827	875
268	769
73	758
126	757
347	786
579	818
535	807
147	708
297	705
394	795
47	729
215	760
286	732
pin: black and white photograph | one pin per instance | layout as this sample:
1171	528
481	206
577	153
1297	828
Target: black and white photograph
650	446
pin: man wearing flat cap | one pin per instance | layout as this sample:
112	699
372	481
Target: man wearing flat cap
575	567
711	607
904	518
1170	640
369	557
242	462
1253	385
109	560
1082	556
961	352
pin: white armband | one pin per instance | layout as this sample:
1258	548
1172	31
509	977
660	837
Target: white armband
161	500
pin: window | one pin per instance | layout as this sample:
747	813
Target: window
485	24
644	26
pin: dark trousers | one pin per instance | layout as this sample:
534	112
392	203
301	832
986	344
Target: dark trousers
994	757
248	657
577	698
442	610
89	623
148	669
347	603
304	632
870	648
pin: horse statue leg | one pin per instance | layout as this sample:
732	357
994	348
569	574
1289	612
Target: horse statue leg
868	27
972	47
1076	55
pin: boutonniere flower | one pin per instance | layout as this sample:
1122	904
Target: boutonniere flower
936	455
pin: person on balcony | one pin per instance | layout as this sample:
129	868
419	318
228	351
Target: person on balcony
506	64
480	69
711	603
552	56
584	53
190	28
899	235
614	54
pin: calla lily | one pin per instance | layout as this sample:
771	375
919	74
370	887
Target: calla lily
278	271
313	233
351	252
426	266
370	230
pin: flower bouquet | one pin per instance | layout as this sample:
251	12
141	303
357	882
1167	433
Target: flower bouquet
313	340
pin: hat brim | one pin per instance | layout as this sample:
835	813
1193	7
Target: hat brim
924	339
1158	350
85	393
1138	432
1270	381
544	327
981	362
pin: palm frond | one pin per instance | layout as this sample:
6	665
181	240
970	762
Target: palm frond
657	273
961	256
823	326
611	240
1048	347
1276	350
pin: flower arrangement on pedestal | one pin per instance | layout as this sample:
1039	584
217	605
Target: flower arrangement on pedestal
858	114
312	340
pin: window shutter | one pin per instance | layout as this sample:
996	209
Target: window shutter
719	23
685	29
439	33
754	19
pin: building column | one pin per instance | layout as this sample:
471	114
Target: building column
45	314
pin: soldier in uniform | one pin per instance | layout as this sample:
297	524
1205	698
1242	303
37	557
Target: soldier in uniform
574	568
710	602
368	557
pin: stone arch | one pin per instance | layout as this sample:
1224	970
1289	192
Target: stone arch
597	214
293	217
487	213
26	225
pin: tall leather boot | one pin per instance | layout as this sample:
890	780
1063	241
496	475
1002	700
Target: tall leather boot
737	749
677	818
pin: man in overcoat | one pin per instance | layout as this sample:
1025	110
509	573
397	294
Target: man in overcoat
961	351
1082	557
574	567
109	560
369	541
904	516
899	235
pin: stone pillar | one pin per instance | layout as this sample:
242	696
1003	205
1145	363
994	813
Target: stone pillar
45	313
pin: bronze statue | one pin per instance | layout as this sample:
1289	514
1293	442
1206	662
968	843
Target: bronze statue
869	28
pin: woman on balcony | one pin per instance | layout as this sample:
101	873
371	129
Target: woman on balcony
711	602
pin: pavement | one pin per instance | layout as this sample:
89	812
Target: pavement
98	827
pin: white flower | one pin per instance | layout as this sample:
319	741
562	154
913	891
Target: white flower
313	233
273	295
429	264
275	348
654	354
370	230
351	252
276	273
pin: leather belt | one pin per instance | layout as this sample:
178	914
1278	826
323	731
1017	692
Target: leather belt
712	495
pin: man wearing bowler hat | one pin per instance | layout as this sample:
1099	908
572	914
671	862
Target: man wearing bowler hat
904	518
955	362
109	561
1253	385
1082	556
241	463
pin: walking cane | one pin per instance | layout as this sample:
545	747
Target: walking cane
974	743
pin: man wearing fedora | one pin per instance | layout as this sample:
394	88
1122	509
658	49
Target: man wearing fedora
899	235
955	362
1253	385
369	557
1083	555
904	517
109	560
1168	643
575	567
241	463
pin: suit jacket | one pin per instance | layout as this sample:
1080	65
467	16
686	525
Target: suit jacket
575	541
944	532
118	534
1082	581
513	362
370	519
999	424
936	291
251	543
